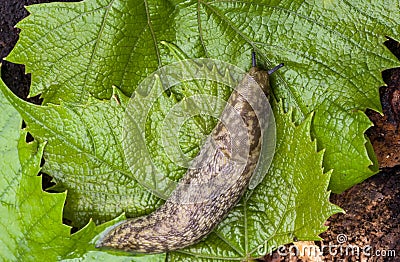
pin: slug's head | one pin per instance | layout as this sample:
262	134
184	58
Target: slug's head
262	76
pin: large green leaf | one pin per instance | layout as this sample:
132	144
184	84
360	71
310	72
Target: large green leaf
31	227
84	155
333	54
31	220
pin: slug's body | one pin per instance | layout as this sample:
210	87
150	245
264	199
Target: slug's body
177	225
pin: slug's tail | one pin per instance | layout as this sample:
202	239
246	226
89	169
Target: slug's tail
169	228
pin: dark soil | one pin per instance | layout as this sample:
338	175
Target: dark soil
385	135
372	207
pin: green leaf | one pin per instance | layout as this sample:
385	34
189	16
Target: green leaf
291	202
31	227
84	155
31	220
87	47
346	128
73	49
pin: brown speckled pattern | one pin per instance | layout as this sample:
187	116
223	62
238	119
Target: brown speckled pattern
177	225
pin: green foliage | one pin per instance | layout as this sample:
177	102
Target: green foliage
77	52
31	227
73	49
84	155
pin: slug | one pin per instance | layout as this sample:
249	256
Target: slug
175	224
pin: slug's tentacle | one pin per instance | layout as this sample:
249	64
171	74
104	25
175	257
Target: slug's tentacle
176	224
275	68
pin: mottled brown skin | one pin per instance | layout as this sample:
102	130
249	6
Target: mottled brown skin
177	225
